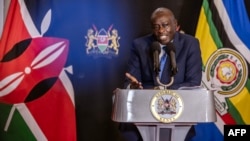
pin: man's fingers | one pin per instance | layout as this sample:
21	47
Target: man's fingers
134	84
132	78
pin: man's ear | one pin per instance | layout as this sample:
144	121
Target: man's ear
177	26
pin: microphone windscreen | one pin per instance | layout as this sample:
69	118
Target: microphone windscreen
170	47
156	46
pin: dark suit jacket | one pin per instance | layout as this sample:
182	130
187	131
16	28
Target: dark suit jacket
188	59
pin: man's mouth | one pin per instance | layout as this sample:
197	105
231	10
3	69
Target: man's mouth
163	37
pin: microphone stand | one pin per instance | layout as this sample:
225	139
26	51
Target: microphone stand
164	85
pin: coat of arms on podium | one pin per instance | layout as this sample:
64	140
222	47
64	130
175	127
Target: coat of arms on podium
166	106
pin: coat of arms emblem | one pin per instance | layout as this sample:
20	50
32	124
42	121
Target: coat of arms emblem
226	74
166	106
102	42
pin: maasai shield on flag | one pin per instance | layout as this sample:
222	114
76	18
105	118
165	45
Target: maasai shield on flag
223	31
36	95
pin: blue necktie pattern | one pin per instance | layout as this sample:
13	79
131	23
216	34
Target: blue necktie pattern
162	63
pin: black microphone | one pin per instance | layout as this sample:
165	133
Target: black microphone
170	49
156	49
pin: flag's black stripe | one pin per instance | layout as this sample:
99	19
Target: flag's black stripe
247	4
41	88
17	50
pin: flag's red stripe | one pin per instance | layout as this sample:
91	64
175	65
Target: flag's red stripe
14	29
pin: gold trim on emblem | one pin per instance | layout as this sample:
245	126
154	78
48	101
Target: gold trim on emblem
166	106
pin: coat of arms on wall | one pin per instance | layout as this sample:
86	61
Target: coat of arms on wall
102	42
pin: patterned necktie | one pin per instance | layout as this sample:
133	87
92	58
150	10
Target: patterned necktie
162	62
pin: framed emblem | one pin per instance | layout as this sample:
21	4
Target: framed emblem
166	106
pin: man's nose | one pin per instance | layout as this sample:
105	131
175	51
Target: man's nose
162	28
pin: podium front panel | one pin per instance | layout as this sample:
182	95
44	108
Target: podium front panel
133	105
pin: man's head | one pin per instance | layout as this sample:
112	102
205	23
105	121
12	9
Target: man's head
164	25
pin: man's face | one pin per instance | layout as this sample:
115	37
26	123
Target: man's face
164	28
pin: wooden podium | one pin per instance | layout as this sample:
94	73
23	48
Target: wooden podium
163	115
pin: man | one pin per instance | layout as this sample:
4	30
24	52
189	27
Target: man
141	73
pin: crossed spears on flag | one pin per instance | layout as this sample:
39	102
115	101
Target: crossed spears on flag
46	56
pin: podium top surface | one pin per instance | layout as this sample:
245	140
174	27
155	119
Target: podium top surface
145	106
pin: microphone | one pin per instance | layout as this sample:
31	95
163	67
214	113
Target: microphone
170	49
156	49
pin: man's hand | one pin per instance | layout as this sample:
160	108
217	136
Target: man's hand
134	84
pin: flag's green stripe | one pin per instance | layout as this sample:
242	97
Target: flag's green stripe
213	30
248	85
234	112
4	113
17	130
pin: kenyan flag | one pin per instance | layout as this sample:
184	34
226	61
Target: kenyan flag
36	94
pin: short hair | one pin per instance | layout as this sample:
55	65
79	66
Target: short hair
161	11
